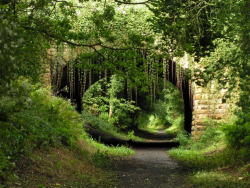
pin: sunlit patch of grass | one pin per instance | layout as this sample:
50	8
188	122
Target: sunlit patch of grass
215	167
93	146
219	179
126	136
176	127
210	158
112	150
173	130
149	129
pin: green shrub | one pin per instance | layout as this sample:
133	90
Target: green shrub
101	159
177	126
30	118
238	135
184	138
210	150
109	104
98	122
210	137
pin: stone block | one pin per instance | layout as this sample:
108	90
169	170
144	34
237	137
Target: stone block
199	122
203	102
220	106
202	116
221	111
218	117
202	111
197	97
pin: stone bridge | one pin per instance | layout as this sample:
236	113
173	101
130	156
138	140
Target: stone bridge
200	103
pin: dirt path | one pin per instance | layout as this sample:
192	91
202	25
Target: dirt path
149	167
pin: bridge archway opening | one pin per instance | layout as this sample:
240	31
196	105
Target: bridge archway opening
172	73
166	114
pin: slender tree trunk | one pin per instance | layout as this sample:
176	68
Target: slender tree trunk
164	73
136	96
111	107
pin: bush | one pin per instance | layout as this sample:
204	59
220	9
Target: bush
184	138
210	150
31	118
101	159
177	126
98	122
238	135
210	137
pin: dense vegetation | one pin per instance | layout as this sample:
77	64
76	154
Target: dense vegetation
126	44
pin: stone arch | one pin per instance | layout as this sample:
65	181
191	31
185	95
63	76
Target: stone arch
183	85
197	100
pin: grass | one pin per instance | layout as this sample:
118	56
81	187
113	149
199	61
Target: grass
59	167
211	162
220	178
87	165
149	129
93	146
177	126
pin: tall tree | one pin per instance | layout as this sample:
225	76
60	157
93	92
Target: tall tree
216	30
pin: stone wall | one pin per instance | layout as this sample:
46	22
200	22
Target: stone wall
208	103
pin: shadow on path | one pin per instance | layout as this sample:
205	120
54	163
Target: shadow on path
109	139
150	168
153	140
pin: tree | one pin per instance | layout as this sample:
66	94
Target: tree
216	32
110	105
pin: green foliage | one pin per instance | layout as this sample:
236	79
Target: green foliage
217	31
218	179
177	126
166	113
160	114
16	48
184	138
185	25
106	127
210	149
238	133
32	118
211	137
110	150
98	122
174	104
109	105
101	159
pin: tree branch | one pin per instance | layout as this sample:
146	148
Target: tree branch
92	46
128	3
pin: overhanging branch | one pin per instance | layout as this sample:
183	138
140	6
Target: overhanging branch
92	46
129	3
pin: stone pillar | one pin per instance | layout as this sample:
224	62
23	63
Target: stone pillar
208	104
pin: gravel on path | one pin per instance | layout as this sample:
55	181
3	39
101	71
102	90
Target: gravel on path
149	168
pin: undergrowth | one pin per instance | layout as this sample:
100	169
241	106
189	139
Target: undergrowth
211	159
32	119
108	128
